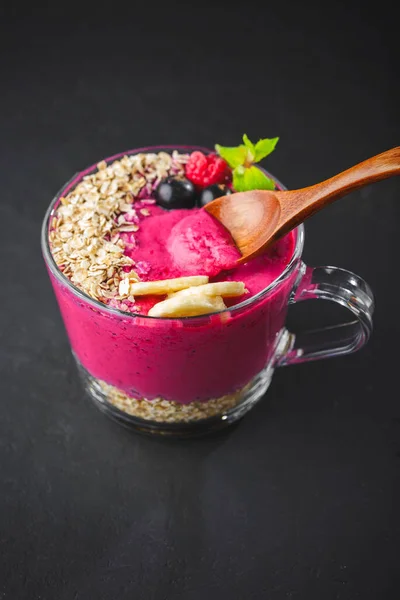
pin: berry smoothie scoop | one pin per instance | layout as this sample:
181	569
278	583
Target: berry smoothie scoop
258	217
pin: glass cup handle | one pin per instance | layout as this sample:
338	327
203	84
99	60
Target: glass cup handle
342	287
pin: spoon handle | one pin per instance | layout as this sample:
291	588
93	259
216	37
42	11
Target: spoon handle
298	205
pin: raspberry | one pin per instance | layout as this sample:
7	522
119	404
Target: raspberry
204	170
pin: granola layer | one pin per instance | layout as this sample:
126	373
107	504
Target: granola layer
166	411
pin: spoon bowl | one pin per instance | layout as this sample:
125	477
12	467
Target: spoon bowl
251	218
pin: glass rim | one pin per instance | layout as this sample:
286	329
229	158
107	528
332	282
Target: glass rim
63	279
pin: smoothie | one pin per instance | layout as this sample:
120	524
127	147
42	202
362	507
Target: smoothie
139	218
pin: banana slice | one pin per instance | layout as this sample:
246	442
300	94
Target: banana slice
166	286
226	289
187	306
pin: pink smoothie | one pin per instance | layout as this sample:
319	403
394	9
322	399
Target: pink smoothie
183	359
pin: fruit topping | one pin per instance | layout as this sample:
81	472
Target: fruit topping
212	192
176	193
188	306
163	286
204	170
226	289
197	300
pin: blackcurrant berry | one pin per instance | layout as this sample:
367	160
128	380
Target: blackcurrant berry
176	193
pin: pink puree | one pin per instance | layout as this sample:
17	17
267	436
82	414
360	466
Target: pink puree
188	359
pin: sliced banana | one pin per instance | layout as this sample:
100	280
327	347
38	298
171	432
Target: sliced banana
226	289
166	286
187	306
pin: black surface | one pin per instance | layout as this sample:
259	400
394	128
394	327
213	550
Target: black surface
301	499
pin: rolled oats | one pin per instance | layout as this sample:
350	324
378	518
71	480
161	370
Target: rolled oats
84	232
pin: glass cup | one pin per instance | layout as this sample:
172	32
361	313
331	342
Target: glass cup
193	375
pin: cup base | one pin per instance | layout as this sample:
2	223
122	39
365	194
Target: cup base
103	397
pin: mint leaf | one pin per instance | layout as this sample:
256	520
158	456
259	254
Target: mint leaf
234	156
251	148
264	147
251	179
238	180
247	153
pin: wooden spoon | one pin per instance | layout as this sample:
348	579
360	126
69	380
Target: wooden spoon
257	218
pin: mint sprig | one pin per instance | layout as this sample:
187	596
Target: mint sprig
241	159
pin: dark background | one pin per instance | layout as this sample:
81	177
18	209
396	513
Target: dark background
300	500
